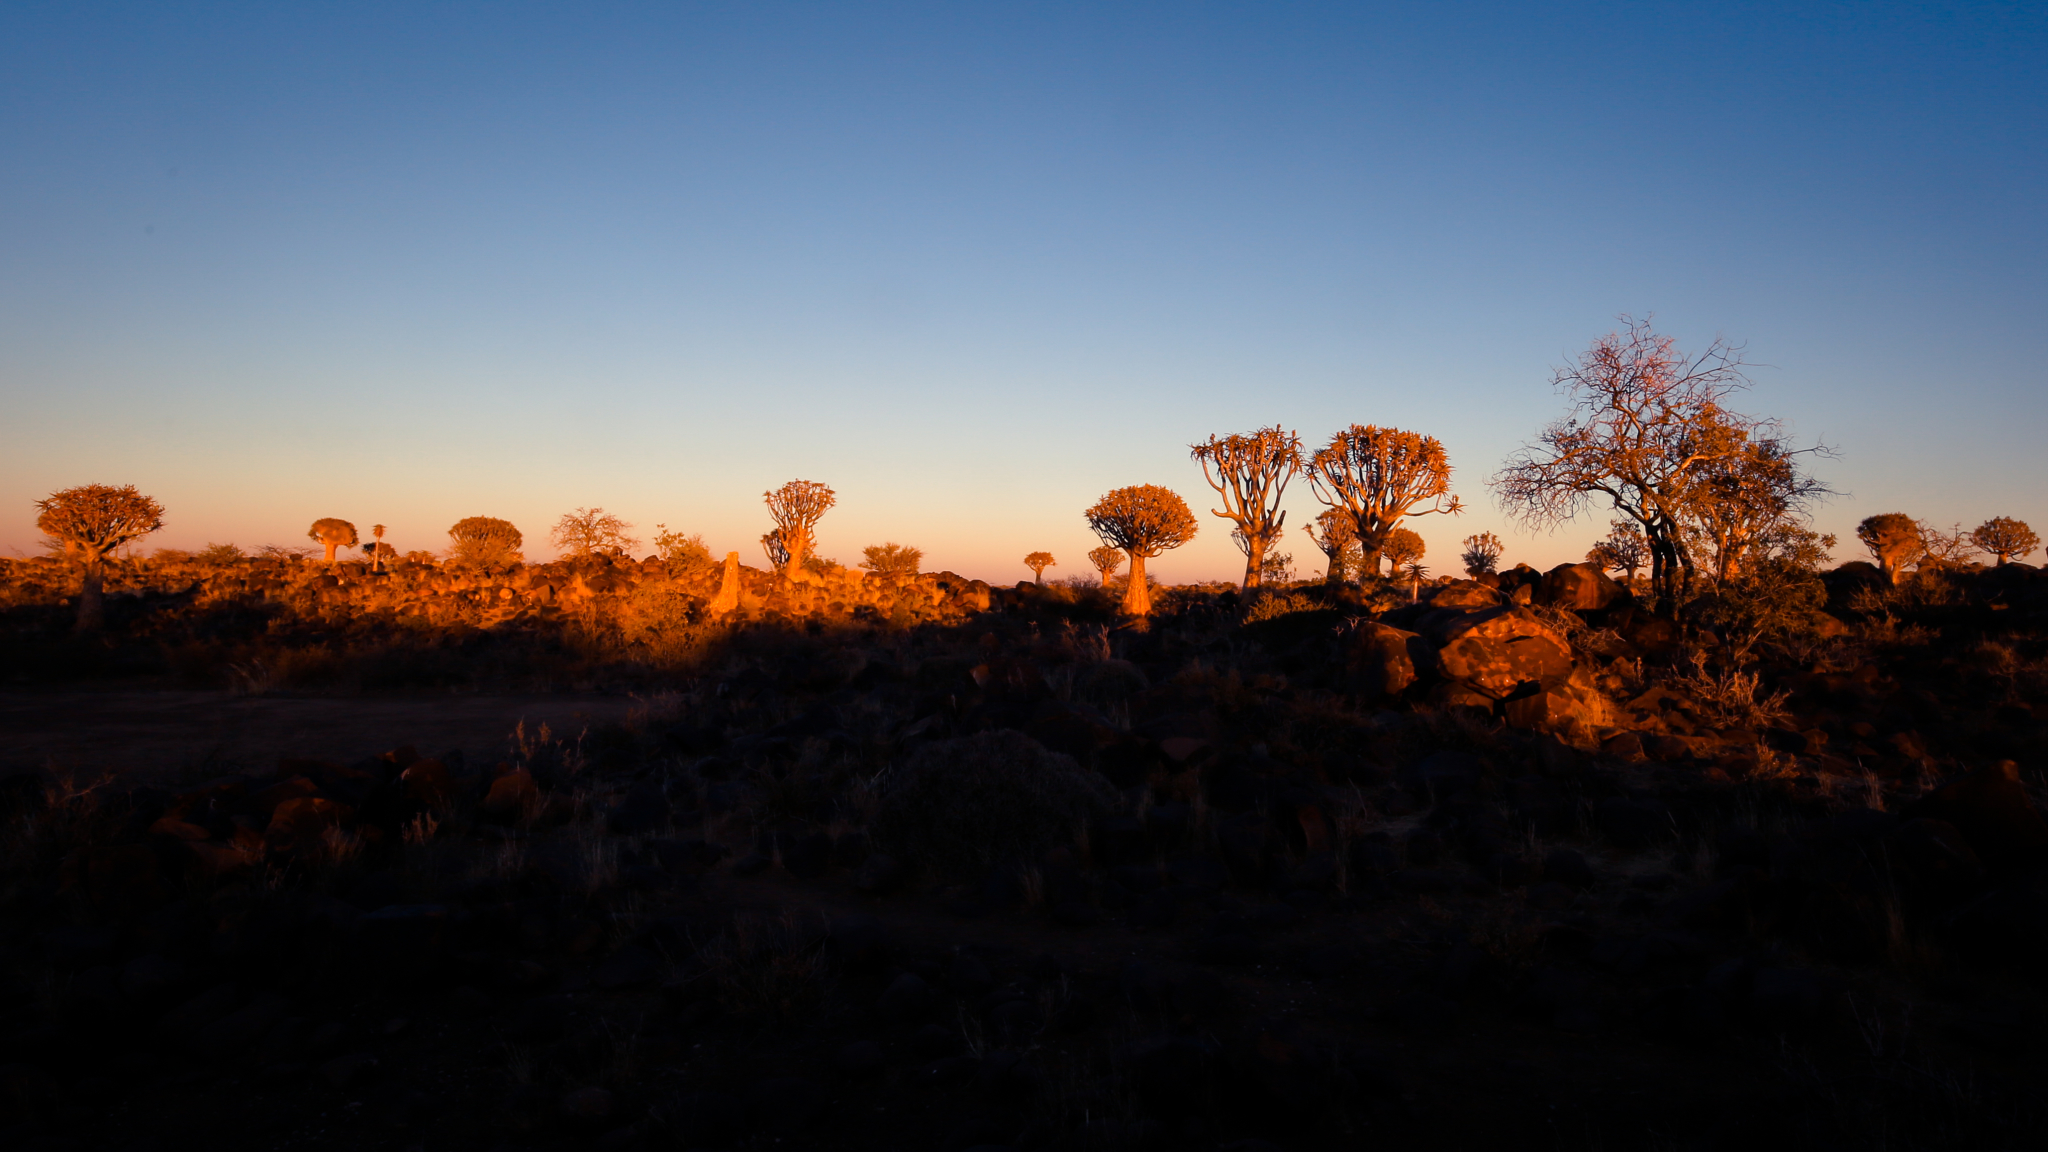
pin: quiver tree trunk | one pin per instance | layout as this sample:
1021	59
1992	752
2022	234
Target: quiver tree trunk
91	598
1254	560
1137	597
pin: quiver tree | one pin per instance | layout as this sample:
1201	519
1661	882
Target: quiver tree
776	551
1250	472
377	550
1894	541
1107	560
1622	551
796	507
1334	537
2005	538
1482	554
1143	520
484	540
1379	476
89	522
1404	546
1747	484
892	559
331	533
1038	562
1643	426
593	532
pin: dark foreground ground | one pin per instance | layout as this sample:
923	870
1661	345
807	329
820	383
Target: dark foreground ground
1030	882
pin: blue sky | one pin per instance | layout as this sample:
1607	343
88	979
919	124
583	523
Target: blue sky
974	265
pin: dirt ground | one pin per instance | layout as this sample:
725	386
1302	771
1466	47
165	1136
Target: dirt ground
161	731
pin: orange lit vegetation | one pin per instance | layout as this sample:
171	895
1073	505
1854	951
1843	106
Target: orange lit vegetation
1144	520
1106	559
796	507
1333	535
330	534
1038	562
1379	476
1250	471
2005	538
87	523
892	559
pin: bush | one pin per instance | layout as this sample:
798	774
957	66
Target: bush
974	801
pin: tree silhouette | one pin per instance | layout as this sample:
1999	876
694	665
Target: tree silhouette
330	534
1403	547
1415	572
1944	548
2005	538
796	507
1893	539
1622	551
592	532
1250	472
1338	541
776	550
1643	423
377	550
1143	520
90	521
892	559
1379	476
1038	562
1482	554
485	540
1106	559
1747	482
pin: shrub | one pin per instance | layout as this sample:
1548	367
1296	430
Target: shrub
680	548
592	531
892	559
484	540
993	796
218	554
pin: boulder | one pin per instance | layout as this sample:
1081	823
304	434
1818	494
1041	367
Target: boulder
1502	652
1575	711
1580	588
299	825
1464	594
1382	659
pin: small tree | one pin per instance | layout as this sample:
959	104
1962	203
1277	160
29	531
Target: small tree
776	551
1622	551
1894	541
90	521
1945	548
331	533
797	507
1107	560
1278	568
377	550
485	540
2006	538
892	559
1404	546
1250	472
1415	572
1038	562
1143	520
593	532
680	547
1482	554
1334	537
1380	476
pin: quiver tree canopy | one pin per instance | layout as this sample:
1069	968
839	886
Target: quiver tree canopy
2005	538
331	533
1250	472
796	508
1404	546
484	540
1038	562
1332	533
1482	554
1143	520
1106	559
90	521
1379	476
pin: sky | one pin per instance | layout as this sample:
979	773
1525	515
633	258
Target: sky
974	265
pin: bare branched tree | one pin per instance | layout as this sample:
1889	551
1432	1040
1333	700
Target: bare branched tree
1143	520
1250	472
1380	476
1643	425
593	532
797	507
1623	550
90	521
331	533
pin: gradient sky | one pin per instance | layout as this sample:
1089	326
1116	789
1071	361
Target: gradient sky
975	264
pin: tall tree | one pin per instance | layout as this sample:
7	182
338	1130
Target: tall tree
1332	534
1250	472
1143	520
89	522
1379	476
331	533
2006	538
796	507
1038	562
1107	559
1642	423
1894	541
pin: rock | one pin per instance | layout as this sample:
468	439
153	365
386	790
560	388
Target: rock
300	825
511	795
1580	588
428	784
1381	660
1990	807
1575	711
1500	652
1465	594
588	1107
